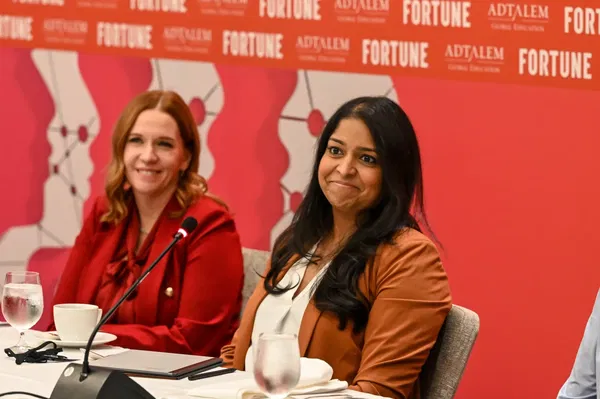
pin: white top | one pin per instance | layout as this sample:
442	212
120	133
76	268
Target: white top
283	313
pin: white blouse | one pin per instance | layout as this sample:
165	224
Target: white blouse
283	313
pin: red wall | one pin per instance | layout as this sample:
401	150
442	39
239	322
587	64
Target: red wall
511	187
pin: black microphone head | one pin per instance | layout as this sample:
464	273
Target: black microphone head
189	224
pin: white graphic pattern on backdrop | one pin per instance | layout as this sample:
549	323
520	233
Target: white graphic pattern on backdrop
68	188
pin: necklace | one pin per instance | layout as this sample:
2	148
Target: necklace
143	231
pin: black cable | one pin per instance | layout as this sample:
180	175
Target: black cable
22	393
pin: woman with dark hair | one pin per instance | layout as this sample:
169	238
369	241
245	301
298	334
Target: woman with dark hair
352	275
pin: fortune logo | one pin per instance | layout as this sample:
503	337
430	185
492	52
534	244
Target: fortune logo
555	63
582	20
16	28
253	44
449	14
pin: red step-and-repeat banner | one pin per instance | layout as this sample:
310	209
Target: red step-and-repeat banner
550	43
510	168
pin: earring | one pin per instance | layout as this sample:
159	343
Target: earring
126	185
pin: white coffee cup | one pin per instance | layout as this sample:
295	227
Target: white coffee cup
76	321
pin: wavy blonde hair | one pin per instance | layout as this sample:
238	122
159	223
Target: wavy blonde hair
190	186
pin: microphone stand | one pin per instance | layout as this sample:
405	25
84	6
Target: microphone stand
79	381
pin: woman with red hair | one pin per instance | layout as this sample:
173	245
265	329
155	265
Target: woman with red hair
191	302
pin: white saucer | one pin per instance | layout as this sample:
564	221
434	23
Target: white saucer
100	339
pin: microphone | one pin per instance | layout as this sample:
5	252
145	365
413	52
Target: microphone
81	382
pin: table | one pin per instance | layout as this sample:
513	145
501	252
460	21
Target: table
41	378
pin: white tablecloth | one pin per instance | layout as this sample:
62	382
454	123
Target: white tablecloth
41	378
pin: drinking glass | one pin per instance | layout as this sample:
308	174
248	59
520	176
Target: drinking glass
22	304
277	364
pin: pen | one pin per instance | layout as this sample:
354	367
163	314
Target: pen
208	374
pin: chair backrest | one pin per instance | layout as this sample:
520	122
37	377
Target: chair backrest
444	368
255	262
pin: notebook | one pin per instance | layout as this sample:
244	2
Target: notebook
139	363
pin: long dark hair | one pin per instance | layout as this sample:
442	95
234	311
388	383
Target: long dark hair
399	206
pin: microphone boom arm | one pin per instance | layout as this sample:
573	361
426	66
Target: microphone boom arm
86	366
78	381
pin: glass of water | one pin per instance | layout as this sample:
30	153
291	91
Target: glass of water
22	303
277	364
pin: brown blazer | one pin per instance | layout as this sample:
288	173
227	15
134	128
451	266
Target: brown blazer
408	291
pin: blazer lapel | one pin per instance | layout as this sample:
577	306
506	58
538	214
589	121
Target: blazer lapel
107	242
150	289
307	326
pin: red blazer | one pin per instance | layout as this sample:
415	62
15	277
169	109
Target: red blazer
191	301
